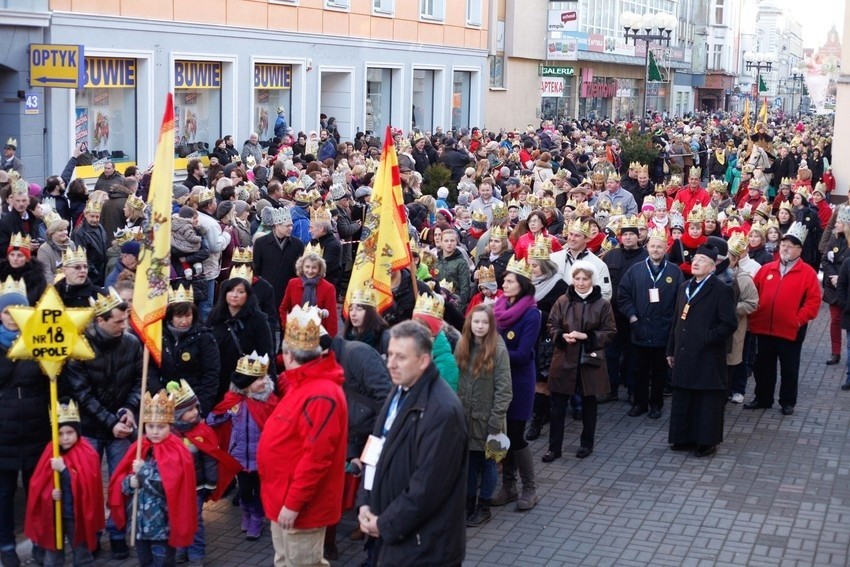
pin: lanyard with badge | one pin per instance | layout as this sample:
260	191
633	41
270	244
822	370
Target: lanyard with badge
690	296
654	295
375	445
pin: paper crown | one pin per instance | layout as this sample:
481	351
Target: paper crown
12	142
11	285
430	304
313	249
500	211
803	192
709	213
485	275
447	286
763	209
541	249
598	177
280	216
578	226
797	231
629	222
571	203
717	185
519	267
820	187
67	413
607	244
514	204
253	364
123	235
733	223
844	214
104	303
616	209
320	214
72	257
158	409
696	214
677	220
135	203
657	233
303	327
93	206
582	210
339	188
661	203
313	195
786	205
786	181
18	240
771	223
695	173
547	203
182	393
206	195
19	186
243	255
181	294
675	181
613	177
531	200
499	232
526	180
242	271
758	227
737	243
51	219
365	295
634	166
479	216
746	211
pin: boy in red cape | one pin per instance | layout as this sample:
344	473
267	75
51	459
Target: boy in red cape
81	493
163	523
214	468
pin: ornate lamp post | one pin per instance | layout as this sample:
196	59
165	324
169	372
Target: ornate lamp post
656	27
760	62
795	78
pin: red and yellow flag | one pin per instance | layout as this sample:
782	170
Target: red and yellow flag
150	296
386	248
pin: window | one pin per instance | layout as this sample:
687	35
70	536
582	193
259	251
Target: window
473	12
432	9
379	99
197	106
422	110
338	4
717	62
497	71
383	7
461	97
718	12
272	91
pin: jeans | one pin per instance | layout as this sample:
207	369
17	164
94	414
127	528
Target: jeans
81	556
559	412
115	450
486	468
8	488
198	550
650	373
298	548
155	553
787	353
205	306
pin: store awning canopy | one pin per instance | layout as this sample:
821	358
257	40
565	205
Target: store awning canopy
626	60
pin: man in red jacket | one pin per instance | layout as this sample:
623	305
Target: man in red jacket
693	194
301	454
789	297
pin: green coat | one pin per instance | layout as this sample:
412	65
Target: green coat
444	360
486	398
455	269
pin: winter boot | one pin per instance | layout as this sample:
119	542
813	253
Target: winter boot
507	493
525	464
539	418
246	517
481	516
255	523
470	506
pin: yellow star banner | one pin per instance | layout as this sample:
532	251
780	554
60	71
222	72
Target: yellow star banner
50	333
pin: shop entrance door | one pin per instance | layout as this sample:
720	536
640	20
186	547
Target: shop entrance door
337	99
10	106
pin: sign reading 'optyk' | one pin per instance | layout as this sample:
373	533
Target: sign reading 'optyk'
197	75
56	65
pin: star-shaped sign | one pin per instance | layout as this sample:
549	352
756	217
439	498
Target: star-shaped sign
51	333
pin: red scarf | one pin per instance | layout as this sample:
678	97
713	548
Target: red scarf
260	413
83	464
177	469
202	437
595	243
692	243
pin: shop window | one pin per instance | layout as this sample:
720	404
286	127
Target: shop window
383	7
105	112
473	12
432	9
422	110
272	90
461	97
379	99
197	107
497	71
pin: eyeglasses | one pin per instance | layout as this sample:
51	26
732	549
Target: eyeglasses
79	267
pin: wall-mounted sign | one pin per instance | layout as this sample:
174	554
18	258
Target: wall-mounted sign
563	21
272	76
552	87
197	75
596	89
549	71
562	49
109	72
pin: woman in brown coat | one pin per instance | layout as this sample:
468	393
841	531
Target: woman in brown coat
581	322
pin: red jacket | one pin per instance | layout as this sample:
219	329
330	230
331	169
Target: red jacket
785	304
527	240
691	198
325	299
301	454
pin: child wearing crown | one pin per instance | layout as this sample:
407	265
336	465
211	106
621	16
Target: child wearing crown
214	468
238	420
165	479
81	493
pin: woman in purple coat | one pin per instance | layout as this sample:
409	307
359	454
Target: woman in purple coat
518	321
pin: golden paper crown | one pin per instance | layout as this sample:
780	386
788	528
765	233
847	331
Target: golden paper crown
758	227
313	248
547	203
135	203
18	240
74	256
532	200
514	204
447	286
763	209
104	303
644	169
541	249
430	304
243	255
771	223
803	192
479	216
485	275
499	232
11	285
181	294
206	195
709	213
320	214
500	211
598	177
519	267
677	207
365	294
182	394
19	186
582	210
253	364
243	271
641	222
93	206
660	189
786	181
158	409
303	327
696	214
578	226
630	221
675	181
614	177
787	206
733	223
548	186
717	185
313	195
657	233
571	203
617	209
695	172
50	219
67	413
607	244
634	166
526	180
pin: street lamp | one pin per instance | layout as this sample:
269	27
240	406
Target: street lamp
795	77
656	27
760	62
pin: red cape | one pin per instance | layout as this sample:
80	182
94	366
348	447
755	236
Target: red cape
177	469
83	463
203	437
260	412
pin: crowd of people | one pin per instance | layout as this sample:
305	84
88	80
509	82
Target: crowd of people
550	275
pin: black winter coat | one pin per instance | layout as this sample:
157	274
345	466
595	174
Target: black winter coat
77	295
96	243
834	256
194	357
111	381
619	260
332	254
24	413
33	275
419	492
810	219
652	329
237	336
455	160
274	265
11	223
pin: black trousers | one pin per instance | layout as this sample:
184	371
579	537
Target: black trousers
650	374
787	353
560	403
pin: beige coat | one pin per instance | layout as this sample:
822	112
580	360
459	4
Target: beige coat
748	301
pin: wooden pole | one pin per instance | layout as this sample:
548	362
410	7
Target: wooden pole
57	483
146	356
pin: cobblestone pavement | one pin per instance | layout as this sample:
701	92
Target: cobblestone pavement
774	494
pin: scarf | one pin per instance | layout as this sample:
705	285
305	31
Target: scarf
7	336
543	285
660	223
582	295
720	155
771	247
507	315
178	333
309	295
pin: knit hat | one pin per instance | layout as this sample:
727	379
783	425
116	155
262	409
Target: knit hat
187	212
178	191
442	193
223	209
709	250
132	247
363	191
241	206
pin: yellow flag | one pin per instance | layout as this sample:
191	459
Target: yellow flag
747	116
150	296
763	112
386	248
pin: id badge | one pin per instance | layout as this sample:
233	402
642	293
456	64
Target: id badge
654	296
370	456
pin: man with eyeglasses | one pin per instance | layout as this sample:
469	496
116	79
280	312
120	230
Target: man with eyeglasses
76	288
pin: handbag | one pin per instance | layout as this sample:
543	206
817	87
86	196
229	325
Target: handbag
593	359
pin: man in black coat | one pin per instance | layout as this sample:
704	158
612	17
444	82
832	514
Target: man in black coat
321	231
415	486
17	219
696	351
275	254
455	159
92	236
108	388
